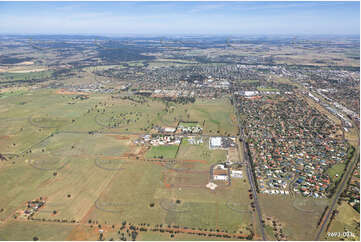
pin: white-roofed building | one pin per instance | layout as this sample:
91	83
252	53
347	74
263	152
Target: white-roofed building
236	174
250	93
169	130
220	177
215	142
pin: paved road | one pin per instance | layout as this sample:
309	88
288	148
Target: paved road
249	171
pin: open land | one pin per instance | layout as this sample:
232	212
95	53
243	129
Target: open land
191	139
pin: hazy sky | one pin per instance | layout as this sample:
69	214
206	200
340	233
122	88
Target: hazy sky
180	17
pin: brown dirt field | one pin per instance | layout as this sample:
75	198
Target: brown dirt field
184	181
129	157
188	165
3	139
196	171
113	157
78	233
86	216
200	161
167	185
142	150
62	91
118	137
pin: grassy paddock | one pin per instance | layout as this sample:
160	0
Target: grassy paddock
76	188
162	152
201	152
24	76
283	209
346	220
27	231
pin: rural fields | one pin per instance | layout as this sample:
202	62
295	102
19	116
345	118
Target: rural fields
184	138
133	167
79	156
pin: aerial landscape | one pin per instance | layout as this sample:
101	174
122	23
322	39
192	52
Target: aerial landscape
115	126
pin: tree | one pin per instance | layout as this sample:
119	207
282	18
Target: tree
134	235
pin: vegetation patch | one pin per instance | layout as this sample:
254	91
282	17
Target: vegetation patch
250	81
25	76
12	93
162	152
188	124
267	89
336	171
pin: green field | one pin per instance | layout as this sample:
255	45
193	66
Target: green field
215	117
162	152
188	124
250	81
346	220
189	151
12	93
24	76
336	171
28	231
267	89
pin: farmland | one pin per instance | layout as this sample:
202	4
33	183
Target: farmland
200	152
166	152
178	138
81	158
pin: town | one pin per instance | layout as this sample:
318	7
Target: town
163	137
